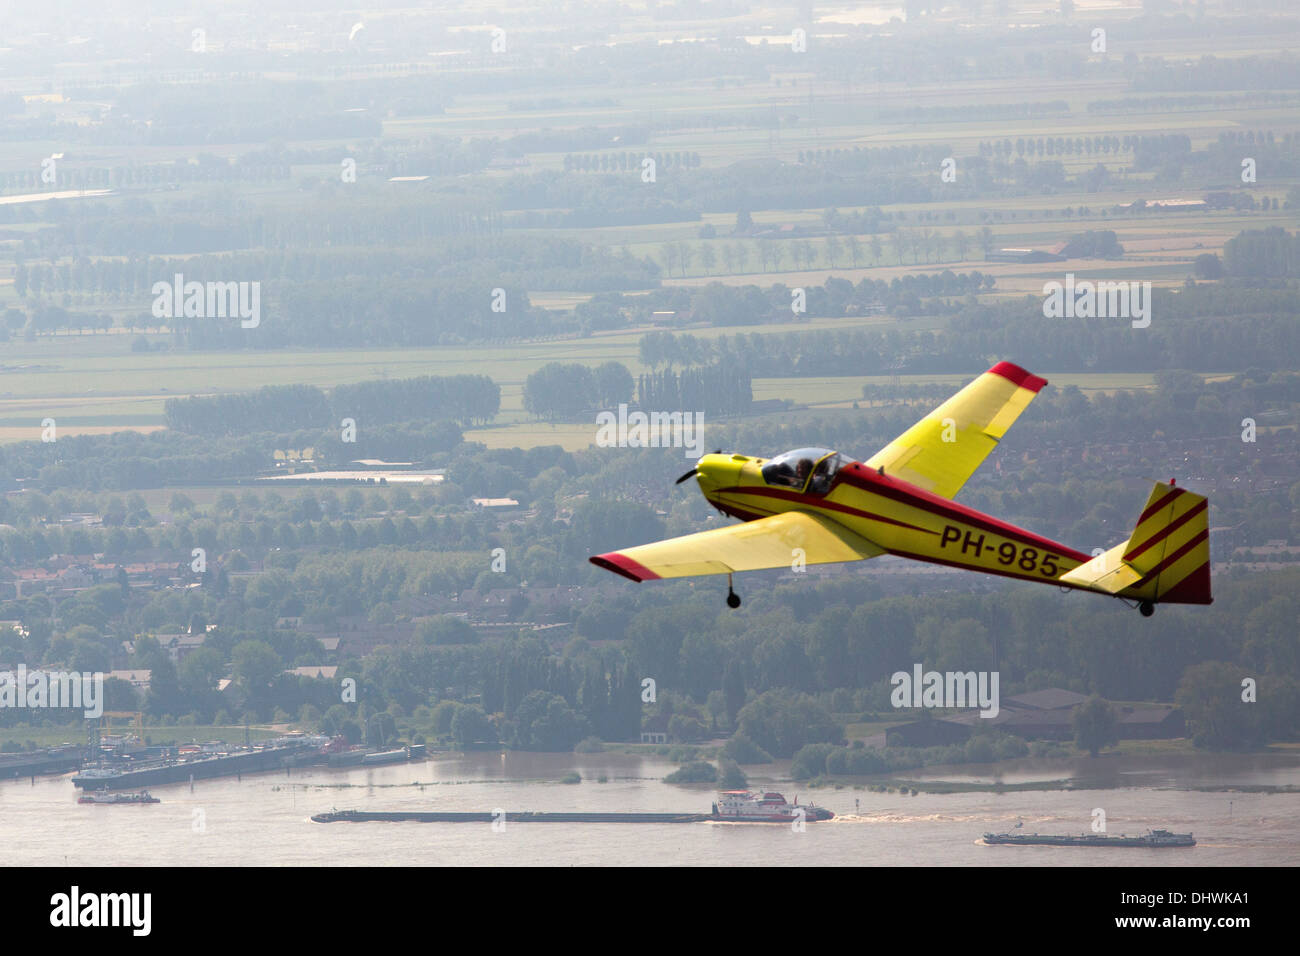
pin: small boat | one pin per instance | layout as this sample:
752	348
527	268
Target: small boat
104	796
747	807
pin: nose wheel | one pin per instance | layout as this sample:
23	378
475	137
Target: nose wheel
733	599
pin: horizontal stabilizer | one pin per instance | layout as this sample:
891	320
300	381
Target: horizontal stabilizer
1106	572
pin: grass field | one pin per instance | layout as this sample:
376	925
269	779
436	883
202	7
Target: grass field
95	384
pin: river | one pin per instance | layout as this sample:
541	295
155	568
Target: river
264	819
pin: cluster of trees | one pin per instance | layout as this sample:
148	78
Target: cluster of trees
624	161
561	391
1093	244
604	702
1263	254
908	156
1266	73
720	389
1201	326
564	391
720	304
466	399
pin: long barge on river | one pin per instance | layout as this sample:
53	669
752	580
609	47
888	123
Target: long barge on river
735	806
451	816
1152	838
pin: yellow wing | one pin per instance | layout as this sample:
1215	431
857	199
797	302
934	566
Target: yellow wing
973	421
763	543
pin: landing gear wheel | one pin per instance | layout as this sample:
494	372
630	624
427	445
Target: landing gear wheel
733	599
1146	609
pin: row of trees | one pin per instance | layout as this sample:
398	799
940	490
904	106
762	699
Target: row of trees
564	391
1263	254
624	161
467	399
721	389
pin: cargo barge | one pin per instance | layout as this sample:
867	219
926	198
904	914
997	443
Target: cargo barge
448	816
278	755
736	806
50	761
1152	838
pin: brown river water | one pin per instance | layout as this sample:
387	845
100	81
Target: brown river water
264	819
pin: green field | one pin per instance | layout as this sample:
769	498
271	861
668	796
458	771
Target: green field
93	384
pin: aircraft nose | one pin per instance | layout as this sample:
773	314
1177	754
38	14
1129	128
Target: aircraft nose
719	471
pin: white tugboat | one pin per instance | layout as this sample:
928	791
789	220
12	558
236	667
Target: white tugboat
745	806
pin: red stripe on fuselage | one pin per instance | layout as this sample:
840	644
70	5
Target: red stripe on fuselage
1042	579
815	502
908	493
859	476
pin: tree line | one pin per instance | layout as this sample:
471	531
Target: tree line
465	399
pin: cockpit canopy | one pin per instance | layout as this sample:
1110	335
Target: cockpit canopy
812	469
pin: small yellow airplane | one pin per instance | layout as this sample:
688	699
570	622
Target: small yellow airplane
814	506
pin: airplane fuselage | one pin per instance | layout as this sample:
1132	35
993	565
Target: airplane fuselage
897	516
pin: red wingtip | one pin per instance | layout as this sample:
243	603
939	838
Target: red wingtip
621	564
1016	374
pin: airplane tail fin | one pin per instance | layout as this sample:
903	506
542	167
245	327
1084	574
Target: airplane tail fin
1167	557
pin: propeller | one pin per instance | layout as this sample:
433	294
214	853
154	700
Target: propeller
693	472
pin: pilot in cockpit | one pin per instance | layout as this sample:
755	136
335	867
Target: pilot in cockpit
821	482
794	469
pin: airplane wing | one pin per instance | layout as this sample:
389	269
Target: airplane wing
974	420
763	543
